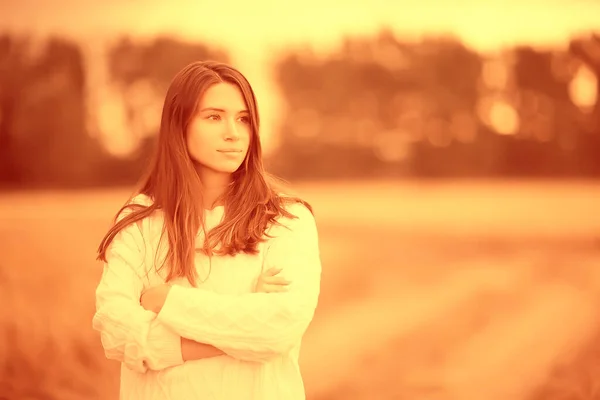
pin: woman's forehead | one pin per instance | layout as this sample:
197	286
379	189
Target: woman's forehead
223	97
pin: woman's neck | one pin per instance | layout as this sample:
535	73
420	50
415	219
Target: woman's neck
213	190
211	196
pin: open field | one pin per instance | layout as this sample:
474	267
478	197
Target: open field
458	290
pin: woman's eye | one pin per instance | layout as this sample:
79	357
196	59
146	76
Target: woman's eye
245	120
214	117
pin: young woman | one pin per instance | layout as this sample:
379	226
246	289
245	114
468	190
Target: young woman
211	275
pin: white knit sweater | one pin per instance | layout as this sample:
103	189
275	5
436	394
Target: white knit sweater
260	332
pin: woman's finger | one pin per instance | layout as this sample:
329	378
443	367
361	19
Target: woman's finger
276	280
272	271
274	288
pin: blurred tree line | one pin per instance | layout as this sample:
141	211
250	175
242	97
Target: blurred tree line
45	129
435	108
379	107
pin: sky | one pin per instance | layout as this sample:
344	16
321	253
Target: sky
484	23
254	31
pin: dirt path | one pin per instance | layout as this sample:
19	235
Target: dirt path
492	333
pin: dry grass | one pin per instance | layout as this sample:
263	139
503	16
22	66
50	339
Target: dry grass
476	290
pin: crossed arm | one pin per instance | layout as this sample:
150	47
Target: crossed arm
154	298
194	323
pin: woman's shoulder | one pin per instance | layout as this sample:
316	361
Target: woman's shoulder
296	226
293	204
141	199
148	224
298	208
134	203
297	214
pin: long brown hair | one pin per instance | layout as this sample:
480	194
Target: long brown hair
252	202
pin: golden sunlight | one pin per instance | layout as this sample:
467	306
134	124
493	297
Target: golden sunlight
582	89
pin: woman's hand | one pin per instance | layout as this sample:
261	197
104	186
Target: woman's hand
269	282
153	299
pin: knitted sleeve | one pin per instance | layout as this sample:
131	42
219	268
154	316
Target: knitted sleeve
129	333
257	326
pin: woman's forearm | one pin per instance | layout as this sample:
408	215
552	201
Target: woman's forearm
192	350
255	326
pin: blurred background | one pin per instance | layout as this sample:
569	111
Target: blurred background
451	151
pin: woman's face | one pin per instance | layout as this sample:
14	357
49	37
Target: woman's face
218	136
